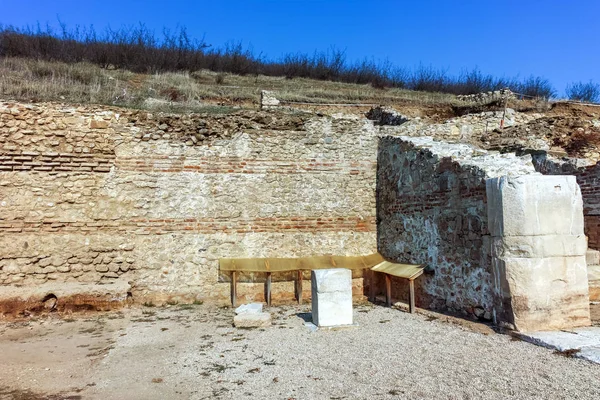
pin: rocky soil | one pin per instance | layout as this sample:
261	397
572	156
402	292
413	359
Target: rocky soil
194	352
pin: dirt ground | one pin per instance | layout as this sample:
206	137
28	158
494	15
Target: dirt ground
193	352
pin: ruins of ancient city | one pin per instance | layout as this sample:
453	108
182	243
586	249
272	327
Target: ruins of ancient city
207	234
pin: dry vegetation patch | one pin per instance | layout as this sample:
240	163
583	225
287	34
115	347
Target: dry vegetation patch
199	91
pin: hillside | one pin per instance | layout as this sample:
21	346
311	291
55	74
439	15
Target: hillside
569	128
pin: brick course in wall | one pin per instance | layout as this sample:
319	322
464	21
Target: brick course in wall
55	162
194	225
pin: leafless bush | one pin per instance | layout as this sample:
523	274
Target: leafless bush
587	92
140	50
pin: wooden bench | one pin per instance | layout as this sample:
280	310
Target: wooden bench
406	271
374	262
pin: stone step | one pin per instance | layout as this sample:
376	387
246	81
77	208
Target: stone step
592	257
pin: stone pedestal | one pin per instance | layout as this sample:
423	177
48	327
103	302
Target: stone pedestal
538	252
331	297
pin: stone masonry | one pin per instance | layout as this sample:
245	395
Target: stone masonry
98	195
434	208
538	252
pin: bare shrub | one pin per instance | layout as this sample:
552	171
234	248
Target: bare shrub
586	92
140	50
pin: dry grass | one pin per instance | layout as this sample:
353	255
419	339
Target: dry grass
35	80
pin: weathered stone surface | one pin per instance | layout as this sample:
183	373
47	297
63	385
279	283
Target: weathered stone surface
128	200
386	116
534	205
594	282
592	257
268	99
581	342
252	320
432	210
538	252
63	296
331	280
539	246
252	308
543	293
587	173
486	97
331	297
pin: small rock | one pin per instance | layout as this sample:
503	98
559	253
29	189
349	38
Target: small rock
98	124
479	312
252	320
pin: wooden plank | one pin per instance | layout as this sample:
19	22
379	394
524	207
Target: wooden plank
411	305
234	289
388	290
268	289
299	286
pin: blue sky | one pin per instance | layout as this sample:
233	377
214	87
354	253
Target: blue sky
559	40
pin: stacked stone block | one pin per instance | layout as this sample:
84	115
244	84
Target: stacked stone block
538	252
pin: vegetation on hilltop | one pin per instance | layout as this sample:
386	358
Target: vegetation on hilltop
139	50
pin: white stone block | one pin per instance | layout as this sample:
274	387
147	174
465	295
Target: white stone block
331	297
534	205
251	308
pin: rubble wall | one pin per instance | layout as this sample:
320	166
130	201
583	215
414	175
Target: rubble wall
99	195
432	210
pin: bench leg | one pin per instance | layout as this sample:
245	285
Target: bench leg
268	289
234	289
299	286
388	290
411	304
372	276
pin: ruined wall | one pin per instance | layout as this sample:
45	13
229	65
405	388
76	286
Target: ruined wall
99	195
432	210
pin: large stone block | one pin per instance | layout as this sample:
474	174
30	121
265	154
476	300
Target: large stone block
331	297
534	205
542	293
539	246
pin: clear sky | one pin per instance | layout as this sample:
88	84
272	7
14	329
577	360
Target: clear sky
556	39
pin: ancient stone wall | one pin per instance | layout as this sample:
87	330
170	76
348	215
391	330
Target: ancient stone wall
99	195
500	241
432	210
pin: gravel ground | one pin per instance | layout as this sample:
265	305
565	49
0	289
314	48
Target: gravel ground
193	352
